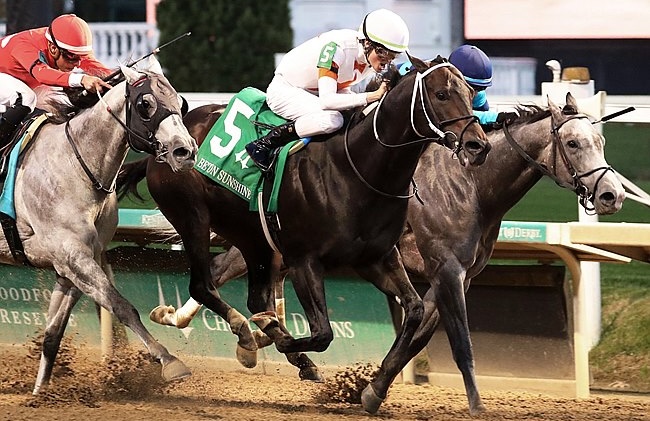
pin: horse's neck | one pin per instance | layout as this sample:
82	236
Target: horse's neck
506	177
98	138
389	124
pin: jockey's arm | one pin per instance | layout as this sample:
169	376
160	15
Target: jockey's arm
333	99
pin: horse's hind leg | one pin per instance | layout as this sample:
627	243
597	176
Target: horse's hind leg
64	297
223	268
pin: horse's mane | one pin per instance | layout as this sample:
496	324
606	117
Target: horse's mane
60	112
530	113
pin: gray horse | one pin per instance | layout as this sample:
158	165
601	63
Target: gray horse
449	239
66	208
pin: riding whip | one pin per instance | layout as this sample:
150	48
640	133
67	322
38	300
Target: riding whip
614	115
154	51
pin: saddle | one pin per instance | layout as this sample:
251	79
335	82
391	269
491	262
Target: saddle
20	139
27	125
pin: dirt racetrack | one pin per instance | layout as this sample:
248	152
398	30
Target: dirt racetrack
129	389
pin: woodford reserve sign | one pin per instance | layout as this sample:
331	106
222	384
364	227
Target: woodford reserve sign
359	315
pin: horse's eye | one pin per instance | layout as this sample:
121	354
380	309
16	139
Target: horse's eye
146	105
442	96
572	144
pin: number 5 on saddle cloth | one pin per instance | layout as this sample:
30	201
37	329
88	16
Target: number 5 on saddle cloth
222	157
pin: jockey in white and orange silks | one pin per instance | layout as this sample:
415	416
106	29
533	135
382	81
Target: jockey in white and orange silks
312	83
34	61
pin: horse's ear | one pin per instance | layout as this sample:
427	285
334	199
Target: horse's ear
555	110
571	107
153	65
131	75
419	65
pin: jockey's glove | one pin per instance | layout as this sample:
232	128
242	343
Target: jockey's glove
506	117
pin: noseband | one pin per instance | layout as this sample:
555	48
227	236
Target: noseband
577	186
139	126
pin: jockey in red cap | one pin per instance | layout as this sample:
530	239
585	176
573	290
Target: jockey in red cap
34	61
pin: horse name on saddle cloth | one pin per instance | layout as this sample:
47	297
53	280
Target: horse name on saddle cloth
222	157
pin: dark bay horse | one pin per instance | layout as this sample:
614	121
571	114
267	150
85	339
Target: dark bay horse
66	208
449	239
349	189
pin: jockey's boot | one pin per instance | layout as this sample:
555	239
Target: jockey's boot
10	119
262	151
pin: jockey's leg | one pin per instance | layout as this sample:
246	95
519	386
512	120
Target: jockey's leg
260	149
11	118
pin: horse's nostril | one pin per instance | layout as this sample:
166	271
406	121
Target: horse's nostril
181	153
475	147
607	198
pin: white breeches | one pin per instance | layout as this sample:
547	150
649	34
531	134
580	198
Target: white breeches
297	104
38	97
9	89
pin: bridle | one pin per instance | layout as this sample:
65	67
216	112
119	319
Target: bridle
577	186
140	127
419	87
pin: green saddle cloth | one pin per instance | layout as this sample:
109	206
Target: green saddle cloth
222	156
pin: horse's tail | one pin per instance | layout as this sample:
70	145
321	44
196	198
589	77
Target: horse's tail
129	176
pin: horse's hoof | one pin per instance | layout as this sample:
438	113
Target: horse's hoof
246	357
311	374
476	410
175	369
161	315
370	401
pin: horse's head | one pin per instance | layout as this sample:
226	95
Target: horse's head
153	118
449	99
577	159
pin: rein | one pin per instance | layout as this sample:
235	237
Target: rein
150	143
578	187
418	87
96	183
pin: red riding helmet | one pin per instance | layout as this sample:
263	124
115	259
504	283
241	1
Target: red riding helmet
71	33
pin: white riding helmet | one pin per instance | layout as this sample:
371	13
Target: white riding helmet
385	28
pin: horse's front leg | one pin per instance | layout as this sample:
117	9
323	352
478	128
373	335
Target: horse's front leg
390	277
450	300
309	287
64	297
75	263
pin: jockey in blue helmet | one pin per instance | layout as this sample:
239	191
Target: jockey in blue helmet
476	67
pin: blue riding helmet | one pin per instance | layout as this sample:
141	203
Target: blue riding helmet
474	64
